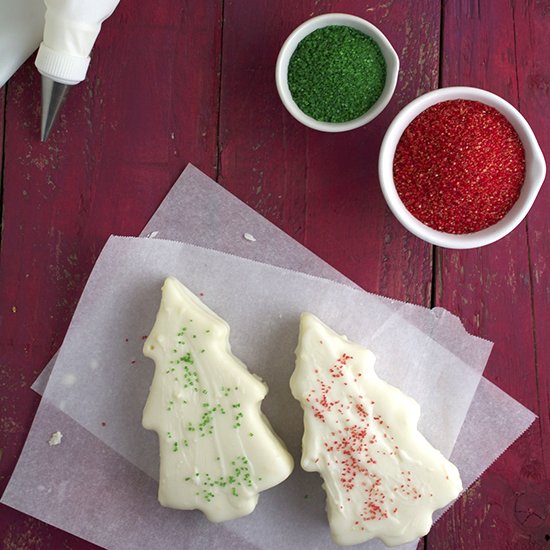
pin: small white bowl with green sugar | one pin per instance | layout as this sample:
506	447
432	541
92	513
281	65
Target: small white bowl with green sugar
336	72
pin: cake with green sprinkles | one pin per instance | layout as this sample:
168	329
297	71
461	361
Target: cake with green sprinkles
217	450
336	74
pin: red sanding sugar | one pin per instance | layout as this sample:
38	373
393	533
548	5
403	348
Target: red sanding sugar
459	166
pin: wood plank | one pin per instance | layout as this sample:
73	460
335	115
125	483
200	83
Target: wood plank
532	32
532	24
148	107
492	288
323	188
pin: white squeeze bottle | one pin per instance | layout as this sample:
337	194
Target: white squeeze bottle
21	28
70	31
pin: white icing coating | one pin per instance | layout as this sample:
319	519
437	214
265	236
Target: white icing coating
381	476
217	450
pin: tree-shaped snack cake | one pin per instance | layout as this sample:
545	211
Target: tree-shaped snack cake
217	450
381	476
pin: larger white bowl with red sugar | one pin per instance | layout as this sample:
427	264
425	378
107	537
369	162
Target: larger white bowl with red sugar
448	225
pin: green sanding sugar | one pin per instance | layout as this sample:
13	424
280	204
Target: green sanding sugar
336	74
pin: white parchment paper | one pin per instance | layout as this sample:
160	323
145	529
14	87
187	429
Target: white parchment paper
66	485
84	487
101	378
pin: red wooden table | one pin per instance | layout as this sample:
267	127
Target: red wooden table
193	81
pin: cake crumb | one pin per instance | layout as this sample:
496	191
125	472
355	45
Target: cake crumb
249	237
55	439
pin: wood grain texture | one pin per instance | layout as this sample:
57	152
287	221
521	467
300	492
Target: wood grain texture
148	107
323	188
501	291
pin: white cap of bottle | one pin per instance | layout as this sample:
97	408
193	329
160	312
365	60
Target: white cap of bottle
70	31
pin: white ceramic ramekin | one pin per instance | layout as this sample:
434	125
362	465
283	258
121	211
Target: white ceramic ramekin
535	169
343	19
